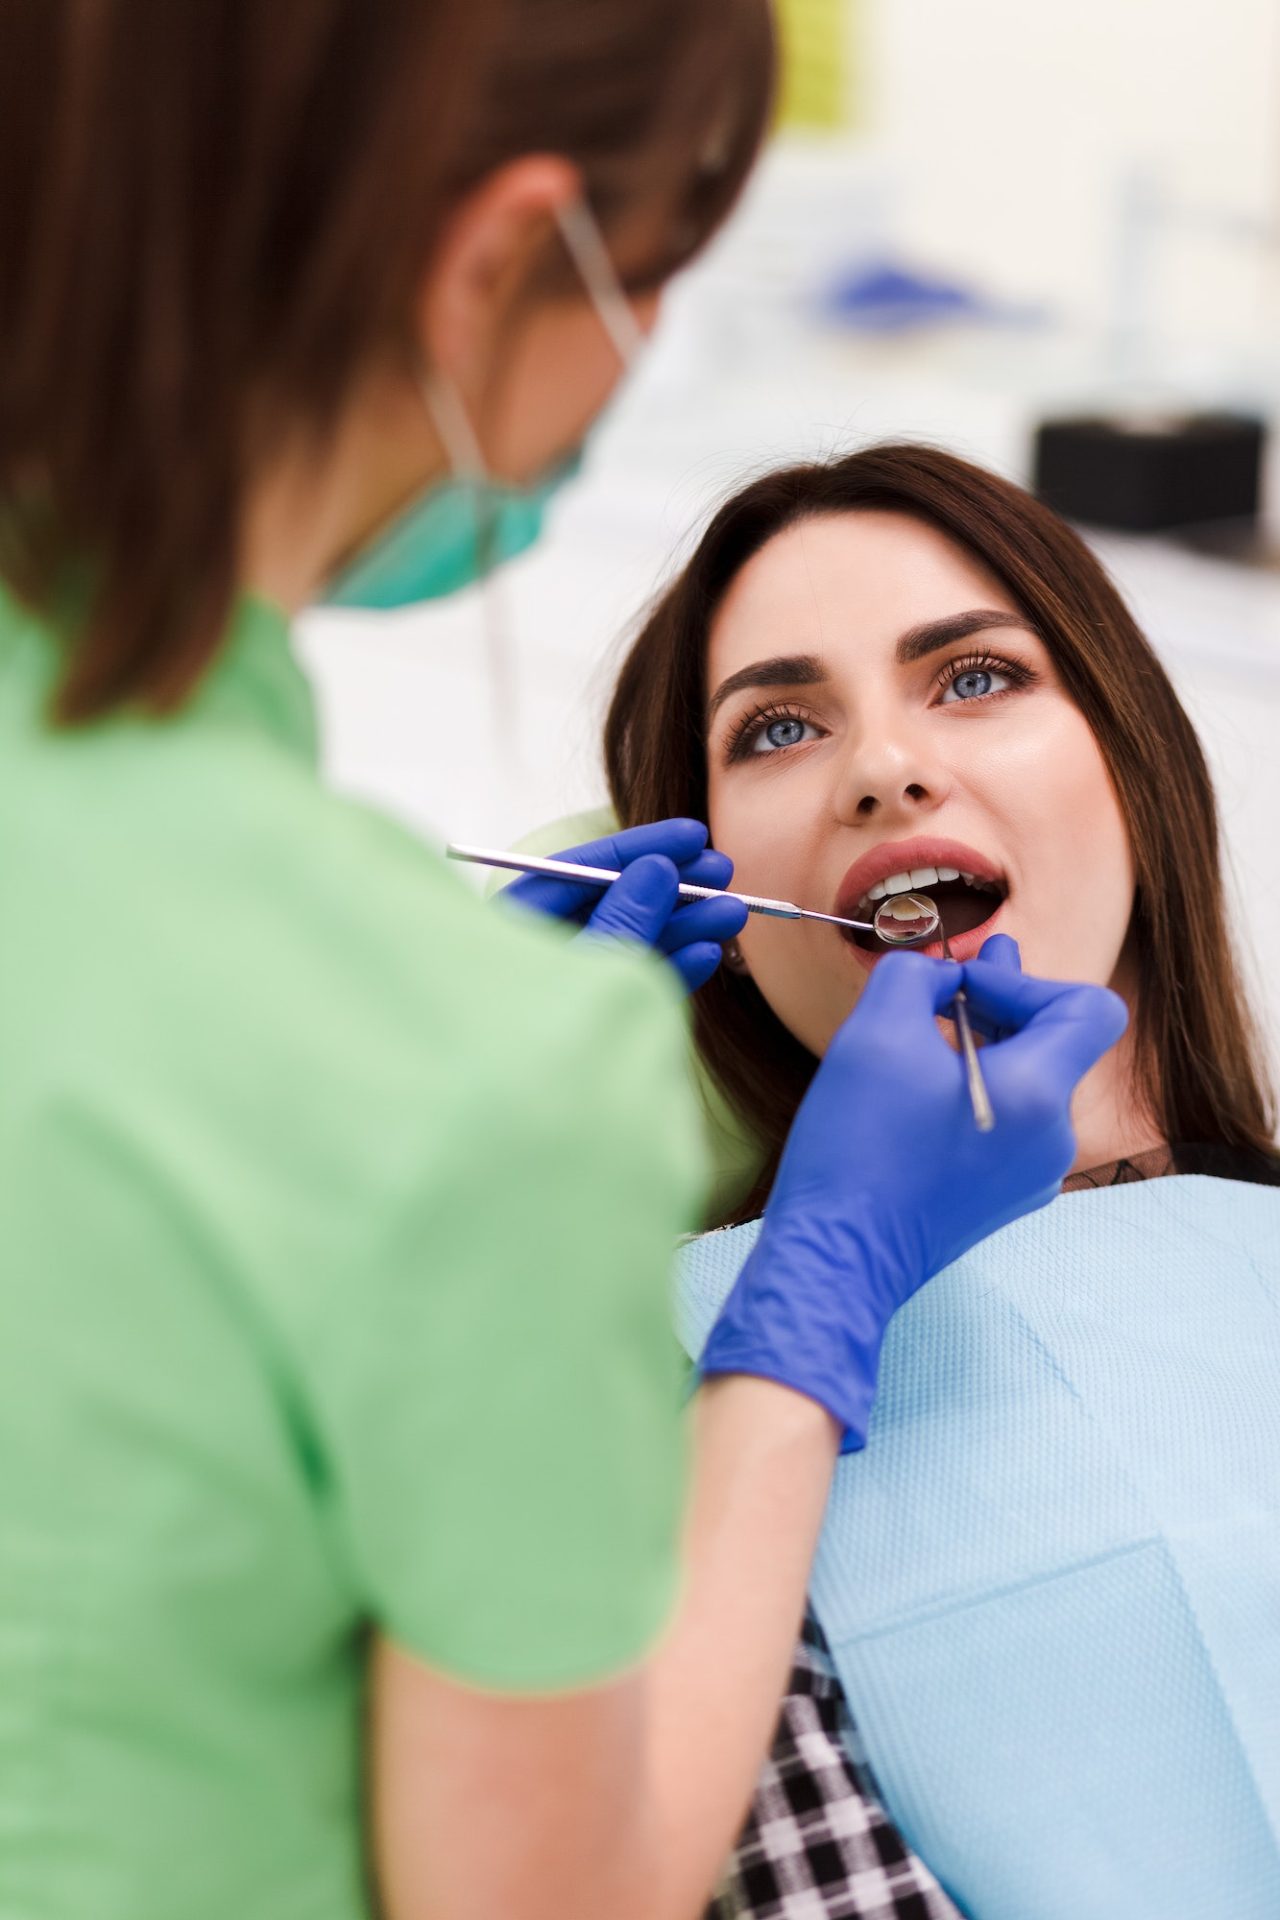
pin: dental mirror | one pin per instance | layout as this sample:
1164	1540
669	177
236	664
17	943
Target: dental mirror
907	920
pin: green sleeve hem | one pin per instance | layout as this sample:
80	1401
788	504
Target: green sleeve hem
617	1650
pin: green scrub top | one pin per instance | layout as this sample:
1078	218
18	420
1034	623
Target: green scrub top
735	1156
336	1210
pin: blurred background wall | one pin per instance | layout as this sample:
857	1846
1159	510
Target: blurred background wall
974	216
1024	133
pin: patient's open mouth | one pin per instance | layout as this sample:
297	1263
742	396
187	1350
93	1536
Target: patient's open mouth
966	901
967	886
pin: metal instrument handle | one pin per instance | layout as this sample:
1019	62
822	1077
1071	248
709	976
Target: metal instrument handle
605	877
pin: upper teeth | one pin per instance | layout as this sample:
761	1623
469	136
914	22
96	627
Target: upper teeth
921	877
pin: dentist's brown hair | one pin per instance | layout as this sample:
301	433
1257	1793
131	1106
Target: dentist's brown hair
1198	1060
216	215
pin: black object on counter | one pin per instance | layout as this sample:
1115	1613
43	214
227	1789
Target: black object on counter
1152	473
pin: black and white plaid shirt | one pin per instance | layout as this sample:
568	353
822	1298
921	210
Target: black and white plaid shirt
818	1845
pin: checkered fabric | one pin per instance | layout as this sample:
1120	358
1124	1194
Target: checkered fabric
818	1845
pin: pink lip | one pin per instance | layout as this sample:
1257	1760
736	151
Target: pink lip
900	856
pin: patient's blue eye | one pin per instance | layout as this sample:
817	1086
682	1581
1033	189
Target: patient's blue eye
780	733
767	732
978	683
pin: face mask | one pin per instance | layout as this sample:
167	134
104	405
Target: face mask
464	527
454	536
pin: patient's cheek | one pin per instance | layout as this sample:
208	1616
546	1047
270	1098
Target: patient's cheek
806	979
1072	914
801	974
768	827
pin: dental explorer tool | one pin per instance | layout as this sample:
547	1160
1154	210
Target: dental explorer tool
979	1099
900	930
927	922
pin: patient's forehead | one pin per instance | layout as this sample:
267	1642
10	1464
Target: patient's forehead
848	584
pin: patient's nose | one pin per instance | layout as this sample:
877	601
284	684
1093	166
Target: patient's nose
885	777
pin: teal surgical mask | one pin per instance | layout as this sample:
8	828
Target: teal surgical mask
464	527
450	538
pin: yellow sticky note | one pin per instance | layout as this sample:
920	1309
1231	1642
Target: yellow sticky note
816	38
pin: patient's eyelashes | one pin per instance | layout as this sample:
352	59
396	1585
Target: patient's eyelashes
974	679
769	730
980	677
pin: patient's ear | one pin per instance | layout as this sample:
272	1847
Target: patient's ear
735	959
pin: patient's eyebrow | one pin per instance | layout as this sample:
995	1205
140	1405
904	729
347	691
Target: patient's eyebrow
784	670
932	635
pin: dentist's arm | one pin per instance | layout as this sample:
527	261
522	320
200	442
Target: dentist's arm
622	1802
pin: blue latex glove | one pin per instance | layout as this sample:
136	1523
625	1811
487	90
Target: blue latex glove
1001	951
885	1179
644	905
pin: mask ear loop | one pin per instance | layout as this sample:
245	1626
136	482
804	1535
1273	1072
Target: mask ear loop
580	231
458	437
468	464
588	252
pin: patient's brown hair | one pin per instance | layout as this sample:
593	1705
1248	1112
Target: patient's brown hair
1197	1056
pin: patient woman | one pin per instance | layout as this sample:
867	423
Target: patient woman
1048	1591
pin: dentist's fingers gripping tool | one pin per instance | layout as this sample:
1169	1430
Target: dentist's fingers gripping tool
903	920
926	924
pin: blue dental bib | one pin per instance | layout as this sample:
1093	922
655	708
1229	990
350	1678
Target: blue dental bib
1051	1581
